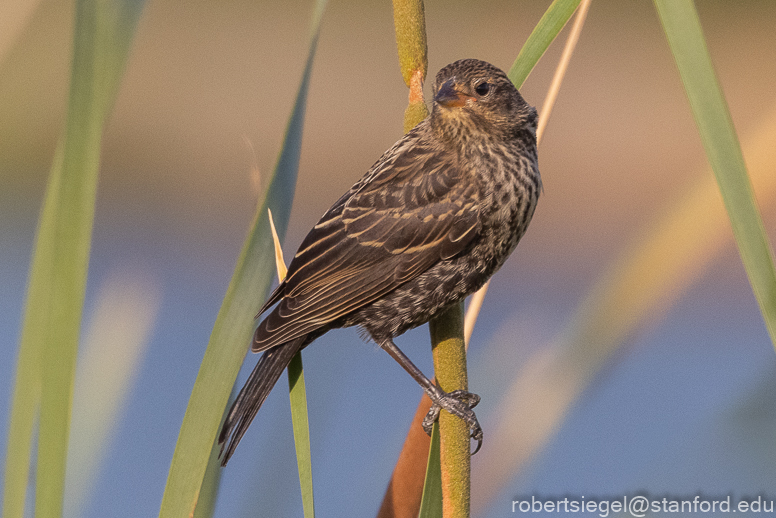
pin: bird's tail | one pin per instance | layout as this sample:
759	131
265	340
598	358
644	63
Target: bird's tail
264	376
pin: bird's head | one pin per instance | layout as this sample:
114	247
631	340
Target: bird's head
472	96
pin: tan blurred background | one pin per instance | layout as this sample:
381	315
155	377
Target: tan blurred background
205	78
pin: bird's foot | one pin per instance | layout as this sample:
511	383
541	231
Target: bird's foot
458	403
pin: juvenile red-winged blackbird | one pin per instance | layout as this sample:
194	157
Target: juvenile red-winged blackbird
426	226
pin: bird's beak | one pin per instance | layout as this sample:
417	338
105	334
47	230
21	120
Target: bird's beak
449	97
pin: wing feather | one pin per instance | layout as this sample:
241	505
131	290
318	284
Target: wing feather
414	208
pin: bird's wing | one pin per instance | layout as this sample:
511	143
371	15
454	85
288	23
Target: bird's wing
414	208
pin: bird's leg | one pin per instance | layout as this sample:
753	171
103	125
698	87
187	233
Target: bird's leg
458	402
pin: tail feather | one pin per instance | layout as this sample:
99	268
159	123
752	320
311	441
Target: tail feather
264	376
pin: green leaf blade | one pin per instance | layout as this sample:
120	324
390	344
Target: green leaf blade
298	397
234	324
685	38
431	502
545	32
56	288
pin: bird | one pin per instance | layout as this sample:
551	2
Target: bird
428	224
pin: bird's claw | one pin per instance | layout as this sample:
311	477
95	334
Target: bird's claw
458	403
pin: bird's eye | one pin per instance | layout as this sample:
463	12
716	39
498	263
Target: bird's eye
482	88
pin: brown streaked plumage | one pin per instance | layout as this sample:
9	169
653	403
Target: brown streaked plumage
427	225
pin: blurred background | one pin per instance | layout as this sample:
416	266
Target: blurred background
680	402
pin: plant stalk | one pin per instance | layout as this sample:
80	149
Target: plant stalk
450	367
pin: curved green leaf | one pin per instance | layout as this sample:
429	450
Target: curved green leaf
232	330
688	45
431	502
545	32
55	294
298	397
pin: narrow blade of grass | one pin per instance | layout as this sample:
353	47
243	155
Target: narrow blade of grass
231	333
431	503
685	37
51	326
27	386
545	32
298	397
